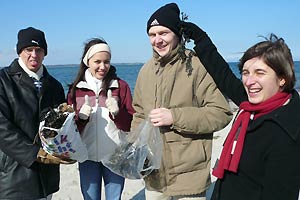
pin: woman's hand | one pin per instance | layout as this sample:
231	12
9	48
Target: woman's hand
86	109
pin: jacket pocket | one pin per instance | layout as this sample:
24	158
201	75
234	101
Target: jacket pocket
186	156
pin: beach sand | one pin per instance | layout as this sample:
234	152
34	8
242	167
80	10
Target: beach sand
133	189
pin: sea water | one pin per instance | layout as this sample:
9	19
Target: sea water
128	72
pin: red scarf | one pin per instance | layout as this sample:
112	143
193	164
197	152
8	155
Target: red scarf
233	146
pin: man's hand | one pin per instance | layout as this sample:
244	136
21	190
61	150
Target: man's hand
44	157
161	117
86	109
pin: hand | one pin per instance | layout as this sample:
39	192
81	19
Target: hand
112	104
161	117
86	109
192	31
44	157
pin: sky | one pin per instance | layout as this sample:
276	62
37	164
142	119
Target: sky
233	25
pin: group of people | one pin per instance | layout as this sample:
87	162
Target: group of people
181	92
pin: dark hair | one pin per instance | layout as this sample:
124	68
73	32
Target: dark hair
82	68
277	55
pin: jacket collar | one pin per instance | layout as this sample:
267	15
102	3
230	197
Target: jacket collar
172	56
37	75
16	69
18	73
83	84
287	117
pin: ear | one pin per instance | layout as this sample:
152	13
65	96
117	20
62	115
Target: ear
281	82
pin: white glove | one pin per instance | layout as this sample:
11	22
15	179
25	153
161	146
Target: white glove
112	104
86	109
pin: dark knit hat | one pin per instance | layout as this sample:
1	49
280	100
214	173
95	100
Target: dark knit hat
31	37
167	16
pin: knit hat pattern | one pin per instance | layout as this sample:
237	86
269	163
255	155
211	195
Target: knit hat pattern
167	16
31	37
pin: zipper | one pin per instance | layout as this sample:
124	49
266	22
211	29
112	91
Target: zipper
96	124
39	96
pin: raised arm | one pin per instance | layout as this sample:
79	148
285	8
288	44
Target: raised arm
214	63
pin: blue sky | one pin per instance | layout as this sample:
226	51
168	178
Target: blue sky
233	25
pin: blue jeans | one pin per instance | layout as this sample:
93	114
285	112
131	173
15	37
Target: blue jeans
91	174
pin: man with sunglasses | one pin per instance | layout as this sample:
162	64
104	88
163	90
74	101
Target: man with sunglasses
26	89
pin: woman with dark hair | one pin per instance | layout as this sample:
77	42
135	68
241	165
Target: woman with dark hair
260	159
103	104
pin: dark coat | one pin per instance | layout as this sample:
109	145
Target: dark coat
270	161
21	177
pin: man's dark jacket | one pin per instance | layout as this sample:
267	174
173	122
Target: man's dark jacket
21	177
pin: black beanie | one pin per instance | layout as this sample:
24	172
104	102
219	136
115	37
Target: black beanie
31	37
167	16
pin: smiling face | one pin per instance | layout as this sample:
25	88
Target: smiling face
162	39
99	64
260	81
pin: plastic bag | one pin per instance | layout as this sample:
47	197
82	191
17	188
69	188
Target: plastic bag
59	135
139	153
107	140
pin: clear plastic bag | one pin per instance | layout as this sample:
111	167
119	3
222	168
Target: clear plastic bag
139	153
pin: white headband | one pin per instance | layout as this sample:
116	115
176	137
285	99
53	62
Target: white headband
95	49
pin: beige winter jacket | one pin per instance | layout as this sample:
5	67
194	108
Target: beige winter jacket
198	109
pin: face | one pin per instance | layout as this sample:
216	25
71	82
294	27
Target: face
32	57
99	64
260	80
162	39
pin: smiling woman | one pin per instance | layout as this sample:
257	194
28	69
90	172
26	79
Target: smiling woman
265	138
260	81
102	103
267	68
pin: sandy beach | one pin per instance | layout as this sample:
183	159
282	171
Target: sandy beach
133	189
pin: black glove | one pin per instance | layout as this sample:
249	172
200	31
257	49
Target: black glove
192	31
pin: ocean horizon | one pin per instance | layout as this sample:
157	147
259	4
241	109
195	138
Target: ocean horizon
128	72
66	73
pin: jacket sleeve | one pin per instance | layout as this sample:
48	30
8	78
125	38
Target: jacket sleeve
211	114
124	117
137	104
219	69
79	122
